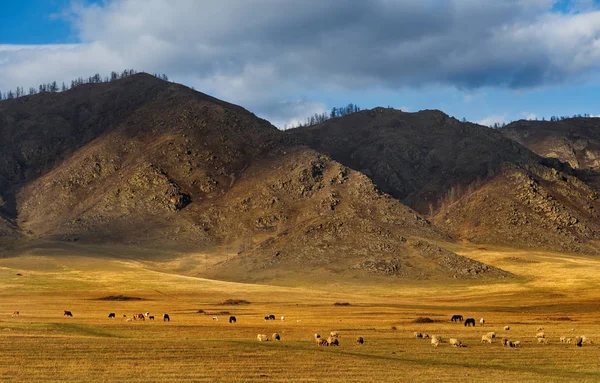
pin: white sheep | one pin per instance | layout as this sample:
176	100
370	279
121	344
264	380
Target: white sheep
542	341
486	339
262	338
563	339
506	328
540	335
455	342
491	334
436	340
482	321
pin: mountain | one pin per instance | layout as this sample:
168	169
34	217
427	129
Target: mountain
146	162
474	182
575	141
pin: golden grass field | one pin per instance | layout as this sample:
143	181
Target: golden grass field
555	291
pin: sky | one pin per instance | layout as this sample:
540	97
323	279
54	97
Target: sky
484	60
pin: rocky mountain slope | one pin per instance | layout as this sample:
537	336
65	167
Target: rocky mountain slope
146	162
475	183
575	141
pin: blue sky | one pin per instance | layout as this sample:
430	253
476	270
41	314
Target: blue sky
485	60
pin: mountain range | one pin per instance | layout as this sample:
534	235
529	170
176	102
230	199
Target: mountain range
145	162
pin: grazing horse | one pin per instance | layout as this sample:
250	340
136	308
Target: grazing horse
68	314
457	318
232	319
470	322
272	317
15	313
112	315
166	318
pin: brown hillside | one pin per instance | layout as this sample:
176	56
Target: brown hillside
575	141
146	162
482	186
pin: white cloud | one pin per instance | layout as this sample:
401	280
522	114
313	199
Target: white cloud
529	116
262	52
492	119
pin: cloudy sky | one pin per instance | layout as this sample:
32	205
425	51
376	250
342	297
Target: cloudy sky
485	60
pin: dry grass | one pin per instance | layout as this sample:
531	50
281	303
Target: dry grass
41	345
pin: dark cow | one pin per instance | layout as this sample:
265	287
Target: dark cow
166	318
457	318
68	314
151	317
470	322
232	319
112	315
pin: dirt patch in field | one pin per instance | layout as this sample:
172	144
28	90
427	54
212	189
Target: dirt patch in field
120	298
233	302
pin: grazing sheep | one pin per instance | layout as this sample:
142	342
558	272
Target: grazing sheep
321	342
360	340
504	341
506	328
282	317
215	318
563	339
332	341
542	341
418	334
262	338
317	336
516	343
128	320
569	341
586	340
482	321
425	336
334	334
147	314
436	340
491	334
540	335
276	336
456	343
486	339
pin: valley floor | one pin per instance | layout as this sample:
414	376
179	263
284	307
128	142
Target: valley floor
554	291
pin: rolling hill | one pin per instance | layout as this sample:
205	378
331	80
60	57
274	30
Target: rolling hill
475	183
145	162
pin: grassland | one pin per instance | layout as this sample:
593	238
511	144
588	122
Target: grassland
555	291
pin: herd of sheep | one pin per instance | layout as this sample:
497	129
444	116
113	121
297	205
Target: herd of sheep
489	337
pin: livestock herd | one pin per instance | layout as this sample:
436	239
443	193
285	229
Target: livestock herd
489	337
333	338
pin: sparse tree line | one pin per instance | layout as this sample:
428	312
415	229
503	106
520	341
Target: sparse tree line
54	87
319	118
498	125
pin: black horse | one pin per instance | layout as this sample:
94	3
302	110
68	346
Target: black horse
457	318
470	321
232	319
111	315
166	318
